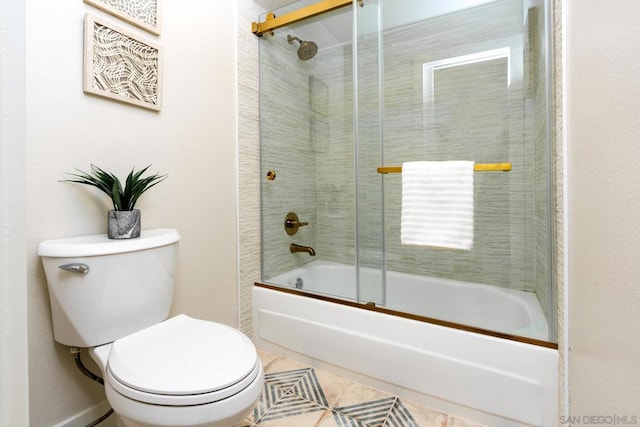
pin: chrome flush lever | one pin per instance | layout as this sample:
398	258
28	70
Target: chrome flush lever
75	268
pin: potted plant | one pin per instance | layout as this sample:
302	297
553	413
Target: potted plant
123	220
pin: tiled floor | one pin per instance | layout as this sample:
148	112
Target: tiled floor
300	396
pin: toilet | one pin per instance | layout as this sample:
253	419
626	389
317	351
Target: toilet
113	297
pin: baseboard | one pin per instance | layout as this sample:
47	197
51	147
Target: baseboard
89	415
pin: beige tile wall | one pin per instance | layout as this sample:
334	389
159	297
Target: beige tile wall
249	171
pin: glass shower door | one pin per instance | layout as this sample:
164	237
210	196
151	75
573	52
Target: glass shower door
469	82
368	127
397	81
307	156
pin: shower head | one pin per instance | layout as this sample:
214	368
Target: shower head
307	49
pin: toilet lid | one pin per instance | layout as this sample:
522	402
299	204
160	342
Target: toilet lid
183	356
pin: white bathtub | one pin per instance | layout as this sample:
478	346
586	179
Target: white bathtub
483	306
495	381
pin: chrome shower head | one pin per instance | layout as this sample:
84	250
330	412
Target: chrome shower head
307	49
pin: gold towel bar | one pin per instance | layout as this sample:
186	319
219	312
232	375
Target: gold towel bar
478	167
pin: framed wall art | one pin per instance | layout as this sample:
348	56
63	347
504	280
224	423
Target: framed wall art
142	13
120	65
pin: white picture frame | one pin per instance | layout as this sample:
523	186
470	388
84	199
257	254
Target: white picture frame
120	65
141	13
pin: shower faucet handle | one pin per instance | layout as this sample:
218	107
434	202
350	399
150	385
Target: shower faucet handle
291	223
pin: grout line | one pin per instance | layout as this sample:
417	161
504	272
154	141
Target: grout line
395	402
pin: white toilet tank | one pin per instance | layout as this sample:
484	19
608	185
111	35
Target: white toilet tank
109	288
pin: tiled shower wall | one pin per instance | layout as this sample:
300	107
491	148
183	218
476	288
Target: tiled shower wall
308	137
476	114
289	150
249	170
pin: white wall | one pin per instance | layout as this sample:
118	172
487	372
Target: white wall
603	130
193	139
14	403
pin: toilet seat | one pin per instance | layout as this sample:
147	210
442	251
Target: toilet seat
182	361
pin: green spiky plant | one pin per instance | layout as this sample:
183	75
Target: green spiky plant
123	198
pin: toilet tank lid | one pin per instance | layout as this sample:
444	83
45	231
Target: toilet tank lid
100	244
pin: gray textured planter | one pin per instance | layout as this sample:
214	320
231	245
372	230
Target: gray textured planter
123	224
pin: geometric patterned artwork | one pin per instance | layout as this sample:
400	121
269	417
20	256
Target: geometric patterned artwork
142	13
120	66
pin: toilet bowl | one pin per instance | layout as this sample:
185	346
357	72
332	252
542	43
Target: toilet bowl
181	372
113	298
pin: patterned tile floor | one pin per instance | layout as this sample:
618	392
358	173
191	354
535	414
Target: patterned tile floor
300	396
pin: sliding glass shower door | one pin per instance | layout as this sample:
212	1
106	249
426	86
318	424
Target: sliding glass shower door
468	82
349	96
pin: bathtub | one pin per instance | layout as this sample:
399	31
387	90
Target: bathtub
483	306
489	379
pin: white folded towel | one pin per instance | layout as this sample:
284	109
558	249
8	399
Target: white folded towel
437	204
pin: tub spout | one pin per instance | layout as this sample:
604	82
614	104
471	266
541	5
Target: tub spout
299	248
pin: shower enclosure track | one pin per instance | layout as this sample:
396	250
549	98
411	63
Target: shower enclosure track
272	22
